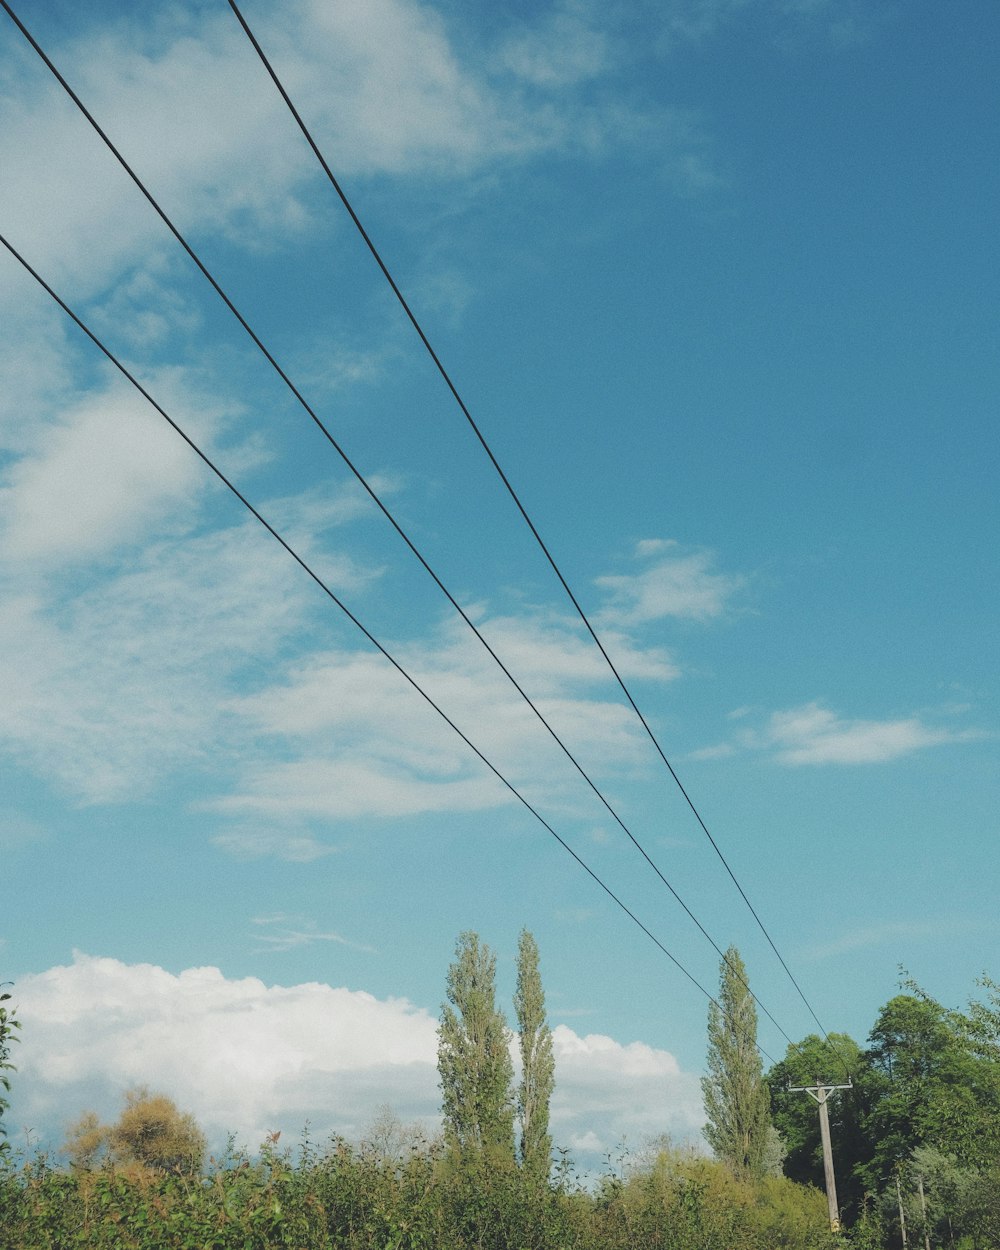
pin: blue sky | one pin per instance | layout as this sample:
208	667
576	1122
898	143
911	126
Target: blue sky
716	279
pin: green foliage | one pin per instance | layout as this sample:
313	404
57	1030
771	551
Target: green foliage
736	1097
9	1027
474	1064
924	1111
929	1086
354	1198
537	1061
683	1201
796	1119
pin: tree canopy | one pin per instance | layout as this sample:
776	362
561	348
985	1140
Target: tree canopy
537	1061
474	1064
736	1096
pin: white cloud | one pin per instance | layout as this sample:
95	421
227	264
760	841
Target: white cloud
607	1092
672	584
720	751
812	734
384	84
363	743
97	479
281	933
251	1058
296	845
565	46
243	1056
108	688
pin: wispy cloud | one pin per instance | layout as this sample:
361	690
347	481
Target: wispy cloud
273	841
360	742
96	479
567	44
388	86
897	933
812	734
104	692
669	583
281	933
841	22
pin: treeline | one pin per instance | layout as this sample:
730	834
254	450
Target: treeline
915	1128
916	1141
486	1182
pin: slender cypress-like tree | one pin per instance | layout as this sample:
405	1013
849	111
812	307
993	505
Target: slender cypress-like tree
474	1066
537	1061
8	1033
737	1100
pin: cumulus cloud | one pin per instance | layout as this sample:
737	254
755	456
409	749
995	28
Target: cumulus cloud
251	1058
608	1092
243	1056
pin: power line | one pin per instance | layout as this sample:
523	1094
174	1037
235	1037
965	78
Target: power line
272	361
334	182
210	464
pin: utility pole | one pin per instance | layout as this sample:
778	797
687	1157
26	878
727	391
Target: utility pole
819	1093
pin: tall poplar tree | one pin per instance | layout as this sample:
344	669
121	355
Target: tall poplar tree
474	1066
737	1100
537	1061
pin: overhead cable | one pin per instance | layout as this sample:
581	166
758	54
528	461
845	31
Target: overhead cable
373	495
335	183
334	598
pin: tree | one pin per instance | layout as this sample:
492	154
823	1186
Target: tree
736	1098
474	1065
8	1033
794	1115
151	1131
930	1087
537	1062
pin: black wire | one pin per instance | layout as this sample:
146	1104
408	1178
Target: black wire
203	456
513	494
161	213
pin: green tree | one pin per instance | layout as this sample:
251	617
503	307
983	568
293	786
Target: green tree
474	1065
8	1033
736	1097
537	1061
796	1119
929	1086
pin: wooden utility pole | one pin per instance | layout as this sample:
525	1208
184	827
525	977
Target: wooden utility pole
819	1093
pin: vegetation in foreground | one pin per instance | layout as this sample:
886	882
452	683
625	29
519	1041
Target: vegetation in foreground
366	1197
